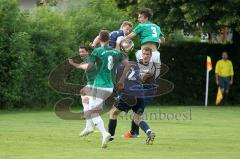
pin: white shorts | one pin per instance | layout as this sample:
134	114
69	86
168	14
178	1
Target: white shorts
155	56
88	90
99	96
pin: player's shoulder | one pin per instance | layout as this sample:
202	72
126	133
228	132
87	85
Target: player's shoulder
140	25
96	50
229	61
220	61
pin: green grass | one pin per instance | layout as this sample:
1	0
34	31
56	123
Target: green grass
212	132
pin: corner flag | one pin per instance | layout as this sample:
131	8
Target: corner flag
219	96
209	68
209	63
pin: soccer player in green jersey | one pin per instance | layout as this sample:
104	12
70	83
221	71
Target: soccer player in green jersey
150	35
86	91
105	58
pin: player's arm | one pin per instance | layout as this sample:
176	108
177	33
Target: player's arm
162	40
144	77
120	84
95	42
217	72
131	35
118	41
231	73
83	66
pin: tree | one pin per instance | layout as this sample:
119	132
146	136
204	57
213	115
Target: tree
207	15
14	46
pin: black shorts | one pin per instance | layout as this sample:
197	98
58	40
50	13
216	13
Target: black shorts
224	82
126	103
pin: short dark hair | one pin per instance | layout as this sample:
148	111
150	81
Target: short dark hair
83	47
147	12
104	36
148	49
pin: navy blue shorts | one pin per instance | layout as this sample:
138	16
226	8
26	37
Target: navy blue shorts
224	82
126	103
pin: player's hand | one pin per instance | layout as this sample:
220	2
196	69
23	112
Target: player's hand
217	82
83	92
92	45
70	61
145	76
120	86
231	82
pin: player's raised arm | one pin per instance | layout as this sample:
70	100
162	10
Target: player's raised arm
95	42
162	40
130	36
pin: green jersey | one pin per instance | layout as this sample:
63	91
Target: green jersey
108	58
91	73
148	32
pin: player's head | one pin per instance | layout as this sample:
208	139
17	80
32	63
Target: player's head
126	27
144	15
83	52
104	36
224	55
146	54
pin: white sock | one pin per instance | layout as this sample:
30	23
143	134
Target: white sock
89	124
88	120
99	125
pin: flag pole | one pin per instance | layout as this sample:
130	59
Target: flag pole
208	69
207	83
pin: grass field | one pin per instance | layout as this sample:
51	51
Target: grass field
194	133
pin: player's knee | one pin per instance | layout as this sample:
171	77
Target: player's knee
226	91
114	113
137	119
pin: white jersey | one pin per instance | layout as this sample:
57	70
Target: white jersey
155	56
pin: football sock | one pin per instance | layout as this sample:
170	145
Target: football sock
98	122
134	128
87	116
144	126
112	126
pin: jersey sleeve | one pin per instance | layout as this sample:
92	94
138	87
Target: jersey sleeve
138	29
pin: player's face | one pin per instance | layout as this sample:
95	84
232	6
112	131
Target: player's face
146	56
142	18
83	53
225	56
127	29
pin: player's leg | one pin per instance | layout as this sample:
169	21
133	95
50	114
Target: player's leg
222	86
114	112
134	132
137	117
89	128
226	89
96	104
118	106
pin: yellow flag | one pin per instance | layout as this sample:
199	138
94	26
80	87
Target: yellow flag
219	96
209	63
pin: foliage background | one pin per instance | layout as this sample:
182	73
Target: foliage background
33	43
